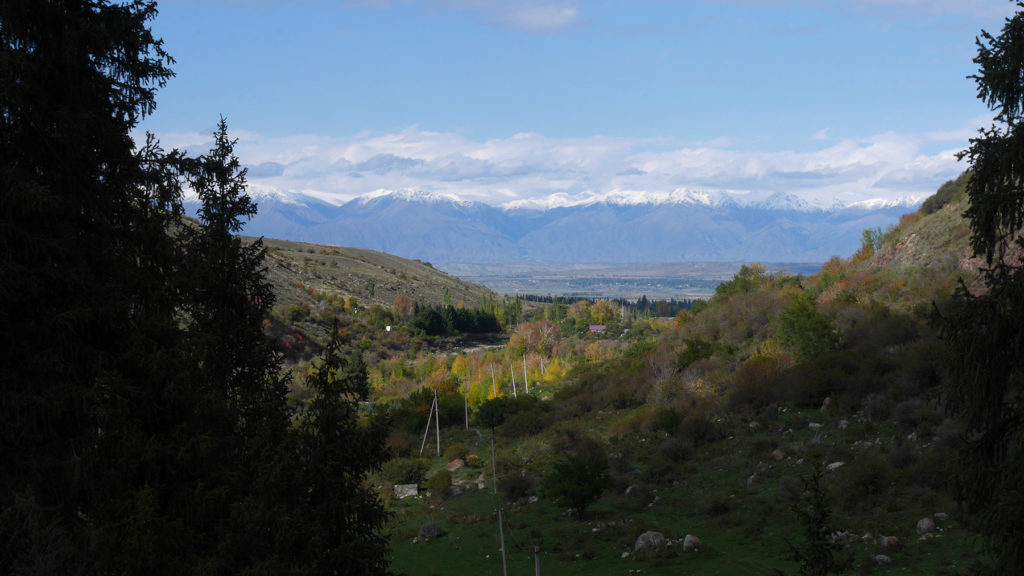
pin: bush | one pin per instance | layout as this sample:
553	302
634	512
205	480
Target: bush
456	451
676	449
405	470
525	424
439	483
699	429
515	486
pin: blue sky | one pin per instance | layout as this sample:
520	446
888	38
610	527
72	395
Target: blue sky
540	101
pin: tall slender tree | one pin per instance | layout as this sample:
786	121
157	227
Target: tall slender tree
345	517
986	329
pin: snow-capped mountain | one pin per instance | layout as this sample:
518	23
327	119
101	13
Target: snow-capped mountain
684	225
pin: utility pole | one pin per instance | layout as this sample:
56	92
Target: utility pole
513	373
501	532
427	430
494	383
526	375
437	422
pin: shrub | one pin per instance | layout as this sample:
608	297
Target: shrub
676	449
515	486
405	470
457	450
439	483
525	424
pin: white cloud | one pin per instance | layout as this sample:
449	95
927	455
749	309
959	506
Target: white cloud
533	15
531	168
821	134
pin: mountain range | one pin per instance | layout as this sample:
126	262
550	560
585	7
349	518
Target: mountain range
678	227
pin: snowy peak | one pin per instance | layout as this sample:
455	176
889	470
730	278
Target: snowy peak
412	196
883	203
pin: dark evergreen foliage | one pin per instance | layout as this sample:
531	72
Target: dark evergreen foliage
344	517
987	329
144	428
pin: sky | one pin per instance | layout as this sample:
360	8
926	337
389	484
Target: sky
540	102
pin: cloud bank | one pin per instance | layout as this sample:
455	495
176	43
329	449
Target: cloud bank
533	170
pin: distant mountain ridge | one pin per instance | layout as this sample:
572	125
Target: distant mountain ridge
619	228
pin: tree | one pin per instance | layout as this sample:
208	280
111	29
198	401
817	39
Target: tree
818	555
343	517
986	330
144	428
580	476
806	331
86	353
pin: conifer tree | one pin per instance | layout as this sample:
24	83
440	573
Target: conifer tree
986	329
345	517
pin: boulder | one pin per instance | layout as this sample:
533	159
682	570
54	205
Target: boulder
778	454
925	525
940	516
406	490
649	540
428	532
456	464
888	542
882	559
815	426
834	466
843	424
692	544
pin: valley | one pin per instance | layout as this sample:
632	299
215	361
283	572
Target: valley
714	423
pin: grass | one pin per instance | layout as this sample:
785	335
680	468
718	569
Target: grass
746	524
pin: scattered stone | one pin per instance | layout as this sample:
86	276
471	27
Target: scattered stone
778	454
753	425
843	537
526	460
888	542
406	490
843	424
925	525
624	555
649	540
692	544
940	516
456	464
815	426
427	533
834	466
825	404
882	559
925	537
751	478
480	484
532	500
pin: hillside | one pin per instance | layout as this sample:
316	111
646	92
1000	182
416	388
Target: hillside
372	278
716	425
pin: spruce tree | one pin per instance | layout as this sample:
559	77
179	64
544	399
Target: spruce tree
986	328
343	515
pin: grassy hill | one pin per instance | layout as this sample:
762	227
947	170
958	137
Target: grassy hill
712	425
372	278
